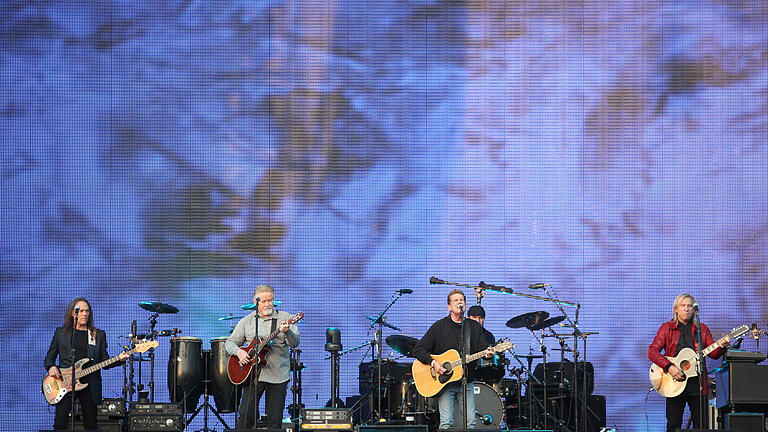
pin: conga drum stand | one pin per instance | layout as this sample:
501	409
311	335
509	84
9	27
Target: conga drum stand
206	405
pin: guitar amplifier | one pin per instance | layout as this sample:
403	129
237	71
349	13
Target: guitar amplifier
155	422
741	383
112	407
155	408
337	419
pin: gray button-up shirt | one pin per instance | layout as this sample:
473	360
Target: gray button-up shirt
277	369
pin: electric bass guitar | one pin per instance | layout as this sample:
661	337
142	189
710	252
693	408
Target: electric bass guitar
429	384
687	361
54	389
257	354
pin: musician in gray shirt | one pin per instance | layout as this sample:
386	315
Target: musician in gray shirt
273	377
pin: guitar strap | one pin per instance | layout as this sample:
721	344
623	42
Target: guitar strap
466	341
274	326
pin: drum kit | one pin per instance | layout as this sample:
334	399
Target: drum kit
193	371
524	400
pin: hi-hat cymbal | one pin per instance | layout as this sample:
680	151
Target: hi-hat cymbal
530	356
527	319
402	344
158	307
547	322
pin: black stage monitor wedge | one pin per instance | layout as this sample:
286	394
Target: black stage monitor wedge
746	422
393	428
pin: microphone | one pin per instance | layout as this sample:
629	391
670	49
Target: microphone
405	291
133	329
755	332
461	307
696	308
434	280
538	285
77	310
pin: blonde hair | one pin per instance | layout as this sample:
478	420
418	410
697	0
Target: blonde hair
679	299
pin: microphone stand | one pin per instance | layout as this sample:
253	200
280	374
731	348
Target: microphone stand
72	344
699	365
380	320
464	370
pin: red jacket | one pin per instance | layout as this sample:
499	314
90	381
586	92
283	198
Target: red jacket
667	338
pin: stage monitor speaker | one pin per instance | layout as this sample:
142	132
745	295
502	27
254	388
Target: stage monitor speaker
115	425
746	422
393	428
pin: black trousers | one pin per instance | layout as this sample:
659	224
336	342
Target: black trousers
676	407
87	407
274	405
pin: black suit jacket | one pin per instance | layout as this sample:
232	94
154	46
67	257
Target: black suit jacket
61	347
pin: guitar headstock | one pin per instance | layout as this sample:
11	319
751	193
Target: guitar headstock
738	331
296	318
145	346
504	345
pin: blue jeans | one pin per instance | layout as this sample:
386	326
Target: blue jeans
450	397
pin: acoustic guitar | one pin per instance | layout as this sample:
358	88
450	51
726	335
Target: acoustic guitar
257	354
429	384
687	361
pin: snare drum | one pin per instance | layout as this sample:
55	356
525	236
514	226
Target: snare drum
185	368
223	390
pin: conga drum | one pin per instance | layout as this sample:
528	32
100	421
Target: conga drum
225	394
185	371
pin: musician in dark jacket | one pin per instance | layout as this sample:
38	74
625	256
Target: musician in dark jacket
90	343
443	335
672	337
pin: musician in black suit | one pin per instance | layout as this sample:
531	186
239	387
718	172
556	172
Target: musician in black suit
90	343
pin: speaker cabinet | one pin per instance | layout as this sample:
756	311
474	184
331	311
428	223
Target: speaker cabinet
746	422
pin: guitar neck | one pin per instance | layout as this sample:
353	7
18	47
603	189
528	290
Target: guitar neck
97	366
713	347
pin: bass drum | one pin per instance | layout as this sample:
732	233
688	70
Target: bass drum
185	368
225	394
489	408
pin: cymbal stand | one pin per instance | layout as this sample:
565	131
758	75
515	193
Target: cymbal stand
529	391
543	350
379	322
562	384
152	323
574	324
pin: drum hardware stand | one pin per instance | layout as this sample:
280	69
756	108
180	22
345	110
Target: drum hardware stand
206	405
294	410
380	321
152	323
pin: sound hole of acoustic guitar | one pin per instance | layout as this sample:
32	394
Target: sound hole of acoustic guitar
685	365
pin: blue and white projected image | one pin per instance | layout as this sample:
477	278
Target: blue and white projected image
342	150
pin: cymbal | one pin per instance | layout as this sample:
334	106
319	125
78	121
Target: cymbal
384	323
158	307
252	306
530	356
402	344
527	319
547	322
228	317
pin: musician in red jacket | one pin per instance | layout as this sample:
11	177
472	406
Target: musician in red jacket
672	337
